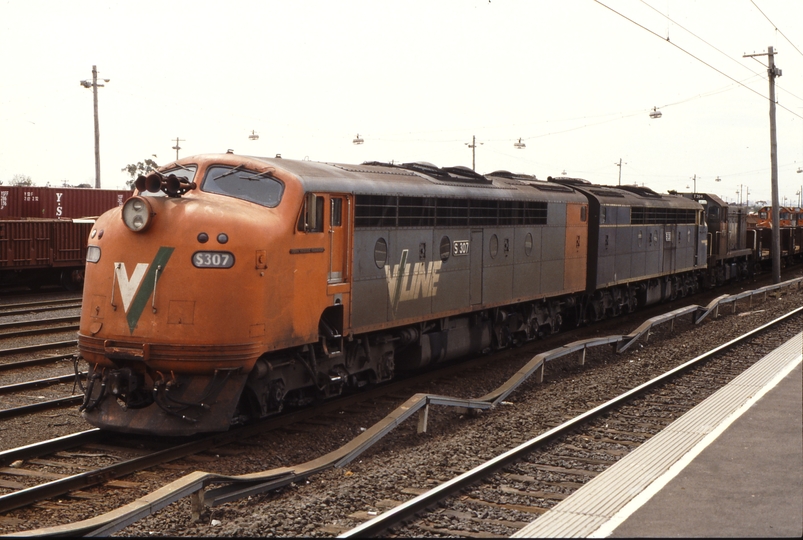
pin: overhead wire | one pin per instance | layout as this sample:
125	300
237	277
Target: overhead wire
729	57
776	28
694	56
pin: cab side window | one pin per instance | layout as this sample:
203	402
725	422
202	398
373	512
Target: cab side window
336	215
311	218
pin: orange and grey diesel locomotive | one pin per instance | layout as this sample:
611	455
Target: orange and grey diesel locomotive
230	285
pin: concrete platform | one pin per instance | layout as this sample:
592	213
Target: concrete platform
730	467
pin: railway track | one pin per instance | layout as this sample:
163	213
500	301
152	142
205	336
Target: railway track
55	403
25	349
60	453
39	306
72	456
44	326
504	494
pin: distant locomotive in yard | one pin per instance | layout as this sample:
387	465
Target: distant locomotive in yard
230	285
44	232
790	229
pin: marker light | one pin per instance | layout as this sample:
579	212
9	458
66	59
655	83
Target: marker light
92	254
137	214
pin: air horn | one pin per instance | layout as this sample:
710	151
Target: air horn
171	185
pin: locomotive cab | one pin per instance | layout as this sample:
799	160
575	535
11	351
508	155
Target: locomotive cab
164	329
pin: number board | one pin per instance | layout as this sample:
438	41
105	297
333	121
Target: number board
460	247
213	259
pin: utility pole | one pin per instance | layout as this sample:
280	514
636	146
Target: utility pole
473	145
177	147
694	178
773	72
620	170
94	85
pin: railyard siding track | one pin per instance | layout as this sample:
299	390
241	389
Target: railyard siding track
39	305
178	489
8	366
40	347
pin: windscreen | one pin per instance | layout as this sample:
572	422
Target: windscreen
259	188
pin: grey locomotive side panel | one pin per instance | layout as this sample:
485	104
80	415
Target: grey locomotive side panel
669	239
452	291
638	252
606	255
476	255
556	215
527	245
654	251
369	302
527	279
686	246
527	257
414	275
497	282
624	242
623	215
369	286
553	249
552	276
364	264
498	246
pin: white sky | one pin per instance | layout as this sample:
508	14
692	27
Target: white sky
416	79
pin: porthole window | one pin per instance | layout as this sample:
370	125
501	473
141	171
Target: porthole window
493	246
528	244
381	253
445	248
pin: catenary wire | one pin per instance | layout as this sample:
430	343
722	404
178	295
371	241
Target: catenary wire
695	57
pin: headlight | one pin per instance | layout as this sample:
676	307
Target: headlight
137	214
93	254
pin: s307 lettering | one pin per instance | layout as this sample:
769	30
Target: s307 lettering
460	247
213	259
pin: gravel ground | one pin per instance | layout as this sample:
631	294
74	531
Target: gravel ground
404	463
16	432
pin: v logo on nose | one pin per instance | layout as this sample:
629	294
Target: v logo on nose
129	286
136	290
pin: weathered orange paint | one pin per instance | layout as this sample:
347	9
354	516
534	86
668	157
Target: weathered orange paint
576	252
194	306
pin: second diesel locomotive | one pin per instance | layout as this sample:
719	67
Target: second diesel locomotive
231	285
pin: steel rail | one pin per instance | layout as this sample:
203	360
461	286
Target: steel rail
41	406
450	488
38	310
41	303
50	446
30	495
39	331
40	347
37	322
34	362
37	383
